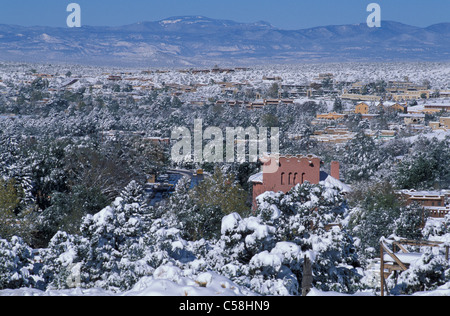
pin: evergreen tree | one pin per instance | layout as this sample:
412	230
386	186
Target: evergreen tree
266	251
63	254
200	210
116	245
427	274
16	264
360	158
338	106
410	222
427	166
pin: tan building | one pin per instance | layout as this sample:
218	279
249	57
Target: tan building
333	116
411	119
434	202
360	97
394	107
443	124
440	107
362	108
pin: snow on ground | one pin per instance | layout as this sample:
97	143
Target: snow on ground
439	134
167	280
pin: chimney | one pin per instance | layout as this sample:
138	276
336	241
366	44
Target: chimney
335	170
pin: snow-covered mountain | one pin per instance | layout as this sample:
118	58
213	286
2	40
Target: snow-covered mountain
197	40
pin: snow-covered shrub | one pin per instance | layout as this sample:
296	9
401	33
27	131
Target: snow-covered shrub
426	274
266	252
244	238
437	228
116	245
377	211
335	263
426	166
16	264
199	211
361	158
64	254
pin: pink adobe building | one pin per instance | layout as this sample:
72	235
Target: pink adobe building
285	172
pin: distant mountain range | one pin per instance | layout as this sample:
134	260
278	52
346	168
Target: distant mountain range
193	41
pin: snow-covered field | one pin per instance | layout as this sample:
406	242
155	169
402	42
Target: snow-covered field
166	281
169	282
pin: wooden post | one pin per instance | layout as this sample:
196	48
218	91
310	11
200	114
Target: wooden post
381	269
307	279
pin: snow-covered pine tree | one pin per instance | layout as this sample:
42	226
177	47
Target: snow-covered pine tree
360	158
410	222
63	255
116	245
265	252
426	274
133	193
16	264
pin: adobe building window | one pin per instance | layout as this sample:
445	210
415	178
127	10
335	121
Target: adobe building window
282	178
290	178
296	178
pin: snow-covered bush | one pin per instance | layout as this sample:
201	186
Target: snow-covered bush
360	158
439	228
266	251
117	246
426	166
64	254
426	274
16	265
199	211
377	211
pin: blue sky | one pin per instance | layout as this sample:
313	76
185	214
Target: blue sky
285	14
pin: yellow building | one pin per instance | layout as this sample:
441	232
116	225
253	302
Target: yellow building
399	108
444	124
330	116
360	97
362	108
411	95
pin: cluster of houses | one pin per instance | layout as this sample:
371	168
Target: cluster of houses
396	91
256	104
435	203
341	135
414	117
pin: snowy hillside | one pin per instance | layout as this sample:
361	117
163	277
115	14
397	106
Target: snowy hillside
206	41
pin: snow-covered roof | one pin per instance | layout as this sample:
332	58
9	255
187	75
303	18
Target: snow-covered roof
256	178
425	193
330	182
